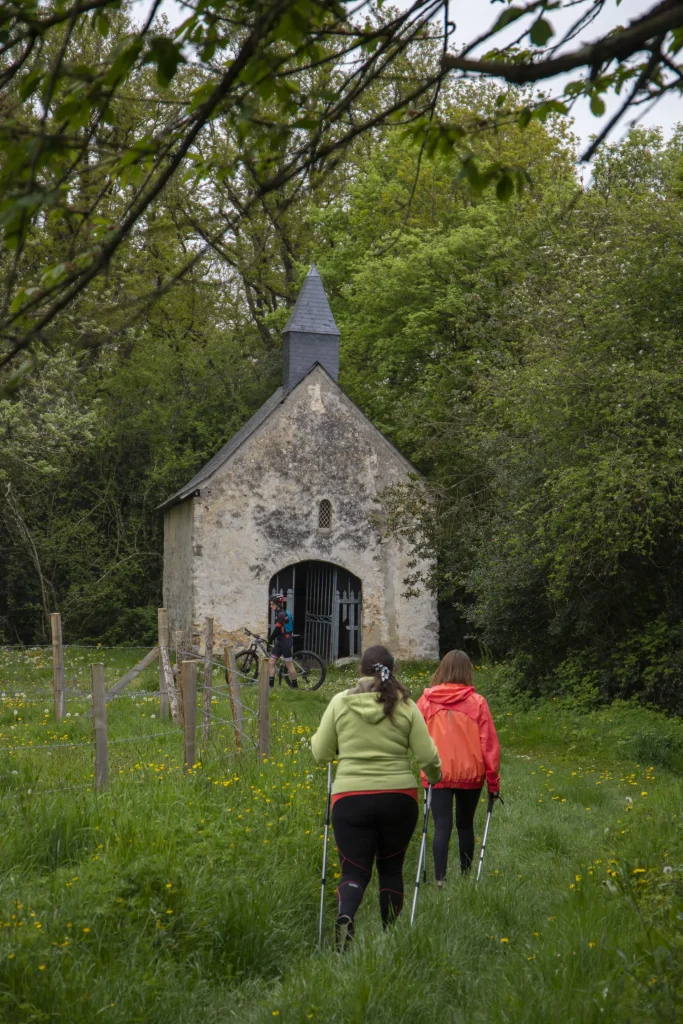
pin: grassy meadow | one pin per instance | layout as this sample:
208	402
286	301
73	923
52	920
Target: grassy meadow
173	898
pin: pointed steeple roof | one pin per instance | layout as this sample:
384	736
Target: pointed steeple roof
312	313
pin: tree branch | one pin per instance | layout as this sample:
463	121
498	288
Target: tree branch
618	45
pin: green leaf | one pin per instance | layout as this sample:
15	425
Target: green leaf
201	94
597	105
53	275
575	88
293	28
74	106
676	41
103	24
471	172
125	56
507	17
543	110
167	55
22	296
505	188
541	32
109	115
207	52
31	83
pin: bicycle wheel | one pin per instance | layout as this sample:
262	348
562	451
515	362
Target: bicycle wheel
247	665
310	671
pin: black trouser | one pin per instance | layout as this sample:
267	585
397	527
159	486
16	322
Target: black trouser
368	827
466	801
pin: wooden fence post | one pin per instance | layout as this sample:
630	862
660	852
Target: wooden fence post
177	696
99	708
162	628
188	682
263	709
58	666
208	680
233	681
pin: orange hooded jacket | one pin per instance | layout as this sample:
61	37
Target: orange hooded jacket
460	723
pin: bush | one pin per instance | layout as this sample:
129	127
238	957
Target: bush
132	626
659	744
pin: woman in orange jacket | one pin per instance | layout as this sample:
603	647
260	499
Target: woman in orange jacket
460	723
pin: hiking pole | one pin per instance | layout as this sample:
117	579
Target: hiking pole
423	847
327	832
492	800
424	863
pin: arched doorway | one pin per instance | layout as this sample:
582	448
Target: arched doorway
326	603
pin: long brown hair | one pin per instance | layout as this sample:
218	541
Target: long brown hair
455	667
391	691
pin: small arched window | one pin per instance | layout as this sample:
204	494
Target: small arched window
325	515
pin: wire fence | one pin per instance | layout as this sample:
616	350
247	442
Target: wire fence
24	768
78	647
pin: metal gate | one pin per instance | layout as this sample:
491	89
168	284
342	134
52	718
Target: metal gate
321	624
331	620
350	607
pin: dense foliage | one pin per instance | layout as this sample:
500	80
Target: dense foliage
525	356
529	361
104	106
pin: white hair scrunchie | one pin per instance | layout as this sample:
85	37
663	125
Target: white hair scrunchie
384	672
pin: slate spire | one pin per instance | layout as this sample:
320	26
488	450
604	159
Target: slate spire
310	336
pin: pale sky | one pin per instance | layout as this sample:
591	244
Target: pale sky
472	17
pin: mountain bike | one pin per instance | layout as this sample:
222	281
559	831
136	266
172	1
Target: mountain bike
310	669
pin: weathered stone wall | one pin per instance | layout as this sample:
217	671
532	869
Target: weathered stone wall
178	566
259	514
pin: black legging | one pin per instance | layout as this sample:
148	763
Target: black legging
368	827
466	801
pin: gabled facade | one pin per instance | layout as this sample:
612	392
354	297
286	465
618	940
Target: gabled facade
288	506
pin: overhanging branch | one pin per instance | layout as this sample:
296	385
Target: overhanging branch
620	45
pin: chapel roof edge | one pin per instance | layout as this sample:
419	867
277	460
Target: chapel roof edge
278	398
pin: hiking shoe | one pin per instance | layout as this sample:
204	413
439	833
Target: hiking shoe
343	932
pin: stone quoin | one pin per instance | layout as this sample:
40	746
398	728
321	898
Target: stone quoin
289	506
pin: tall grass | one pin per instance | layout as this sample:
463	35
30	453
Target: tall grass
173	898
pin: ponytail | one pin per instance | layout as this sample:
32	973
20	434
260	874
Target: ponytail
379	662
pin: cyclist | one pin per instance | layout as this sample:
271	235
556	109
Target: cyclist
282	640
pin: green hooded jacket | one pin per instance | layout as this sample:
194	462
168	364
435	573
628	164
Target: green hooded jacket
373	749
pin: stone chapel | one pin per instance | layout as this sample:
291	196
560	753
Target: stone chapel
286	507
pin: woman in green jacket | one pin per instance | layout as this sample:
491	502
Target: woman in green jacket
371	730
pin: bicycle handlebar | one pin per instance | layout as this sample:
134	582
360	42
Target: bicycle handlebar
255	635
